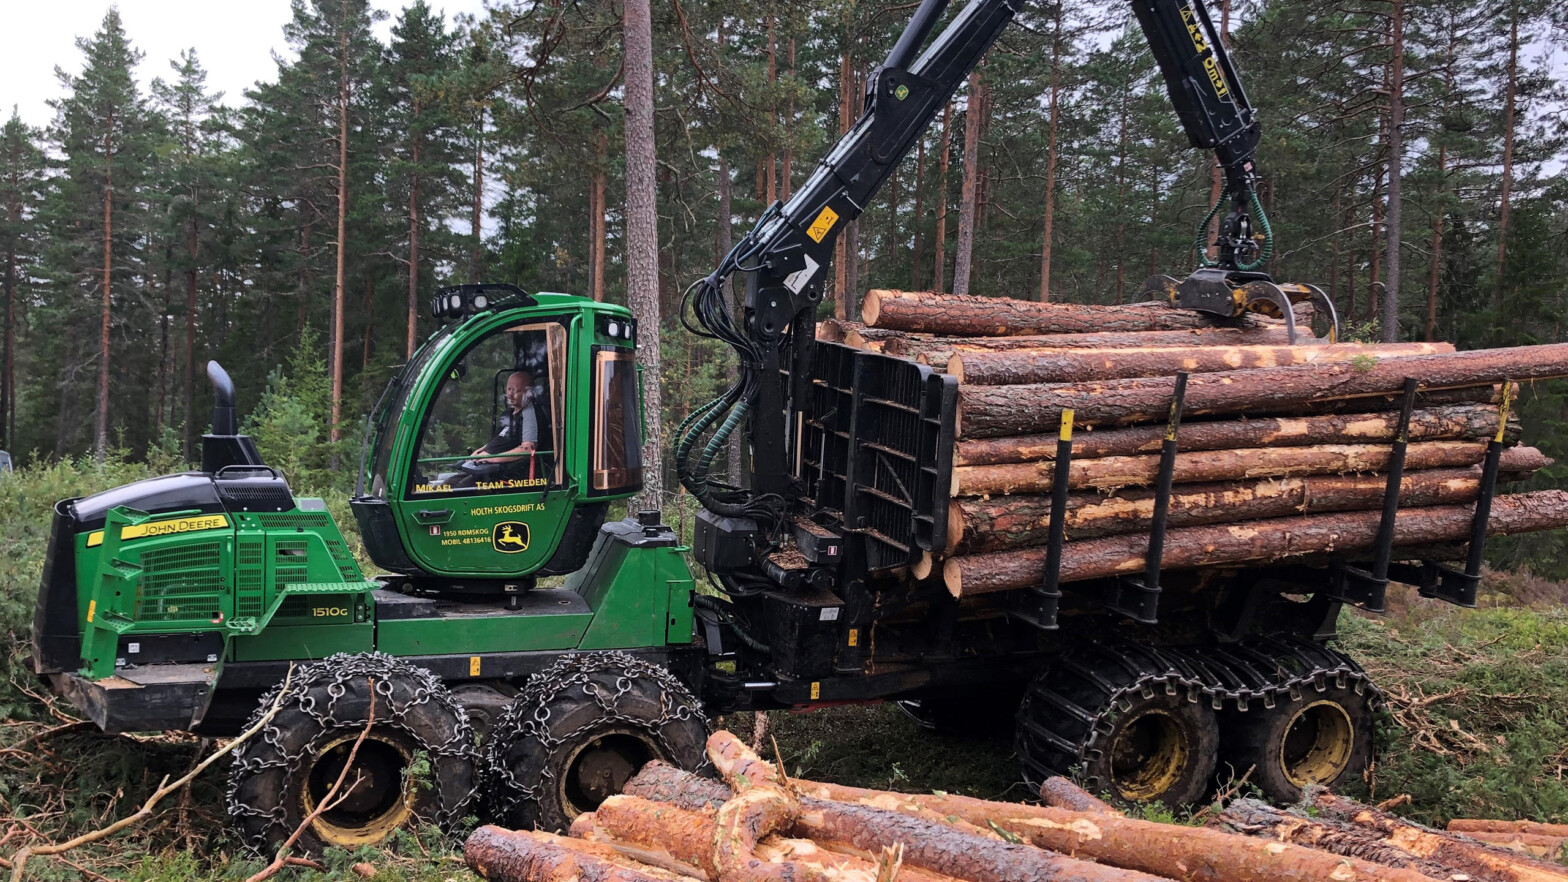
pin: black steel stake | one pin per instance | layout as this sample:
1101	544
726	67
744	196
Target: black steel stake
1162	490
1058	533
1384	549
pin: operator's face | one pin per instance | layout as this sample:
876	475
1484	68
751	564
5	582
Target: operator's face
517	389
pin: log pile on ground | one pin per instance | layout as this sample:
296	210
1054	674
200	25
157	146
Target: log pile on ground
1284	448
758	826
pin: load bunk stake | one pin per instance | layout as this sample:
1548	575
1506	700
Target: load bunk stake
1139	598
1038	606
1369	589
1441	581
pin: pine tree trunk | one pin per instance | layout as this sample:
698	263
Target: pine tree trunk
596	223
1434	269
341	245
944	151
846	86
476	246
413	248
1396	121
192	243
962	262
1121	195
1050	155
773	79
642	236
1509	109
14	216
918	257
101	423
785	178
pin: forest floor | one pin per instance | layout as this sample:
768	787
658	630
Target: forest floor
1475	726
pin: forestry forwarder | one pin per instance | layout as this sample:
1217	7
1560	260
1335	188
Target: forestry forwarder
579	647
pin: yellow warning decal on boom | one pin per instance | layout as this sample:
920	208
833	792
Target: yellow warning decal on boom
824	222
163	528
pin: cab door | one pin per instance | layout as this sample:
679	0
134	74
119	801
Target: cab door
461	516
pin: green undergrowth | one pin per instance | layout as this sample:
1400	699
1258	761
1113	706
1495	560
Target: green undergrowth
1475	726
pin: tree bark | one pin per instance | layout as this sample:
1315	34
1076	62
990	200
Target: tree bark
918	256
984	525
341	245
936	350
1259	541
995	411
1078	365
1113	472
1396	155
642	237
525	856
597	208
846	105
963	261
1475	825
475	227
101	421
1359	831
962	314
1196	854
413	248
1058	792
1456	422
1510	93
944	152
1052	107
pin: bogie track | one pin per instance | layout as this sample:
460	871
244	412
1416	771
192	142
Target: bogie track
1142	723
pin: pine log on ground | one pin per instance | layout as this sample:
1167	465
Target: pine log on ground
1525	843
1254	541
1346	827
962	314
938	349
1449	849
1452	422
1483	825
658	781
1058	792
1194	854
586	826
1252	817
832	330
997	524
995	411
1081	365
929	844
524	856
686	836
1112	472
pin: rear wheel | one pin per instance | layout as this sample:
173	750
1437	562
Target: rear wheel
1316	737
580	730
289	768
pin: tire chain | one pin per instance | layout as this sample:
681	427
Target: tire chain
1262	669
337	670
523	720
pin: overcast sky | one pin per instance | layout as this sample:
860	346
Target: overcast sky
234	40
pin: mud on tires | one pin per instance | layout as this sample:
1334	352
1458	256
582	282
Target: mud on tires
1312	737
281	774
1123	720
580	729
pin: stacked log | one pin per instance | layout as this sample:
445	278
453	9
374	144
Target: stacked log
757	826
1283	448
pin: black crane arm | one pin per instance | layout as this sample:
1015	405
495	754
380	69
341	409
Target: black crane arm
785	258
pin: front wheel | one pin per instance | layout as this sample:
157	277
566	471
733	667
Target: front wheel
289	768
580	730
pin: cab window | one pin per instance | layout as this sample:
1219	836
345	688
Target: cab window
617	427
495	423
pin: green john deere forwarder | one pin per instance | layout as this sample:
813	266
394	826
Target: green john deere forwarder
492	462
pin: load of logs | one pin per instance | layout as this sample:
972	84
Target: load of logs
757	825
1283	449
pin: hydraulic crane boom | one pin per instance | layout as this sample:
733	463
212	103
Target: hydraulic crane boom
784	259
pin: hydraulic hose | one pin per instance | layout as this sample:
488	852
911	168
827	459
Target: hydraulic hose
1268	235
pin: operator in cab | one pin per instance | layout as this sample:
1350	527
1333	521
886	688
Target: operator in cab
519	425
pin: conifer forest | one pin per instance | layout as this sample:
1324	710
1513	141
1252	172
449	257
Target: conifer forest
1413	165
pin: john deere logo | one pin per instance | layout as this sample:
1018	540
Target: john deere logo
509	537
901	92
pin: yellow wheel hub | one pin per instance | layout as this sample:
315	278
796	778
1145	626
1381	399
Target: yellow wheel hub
1148	755
376	796
1317	744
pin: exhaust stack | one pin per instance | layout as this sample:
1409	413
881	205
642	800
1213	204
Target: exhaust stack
225	446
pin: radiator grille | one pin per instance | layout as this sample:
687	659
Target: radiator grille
178	584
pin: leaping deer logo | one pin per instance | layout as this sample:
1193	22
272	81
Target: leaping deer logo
509	537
